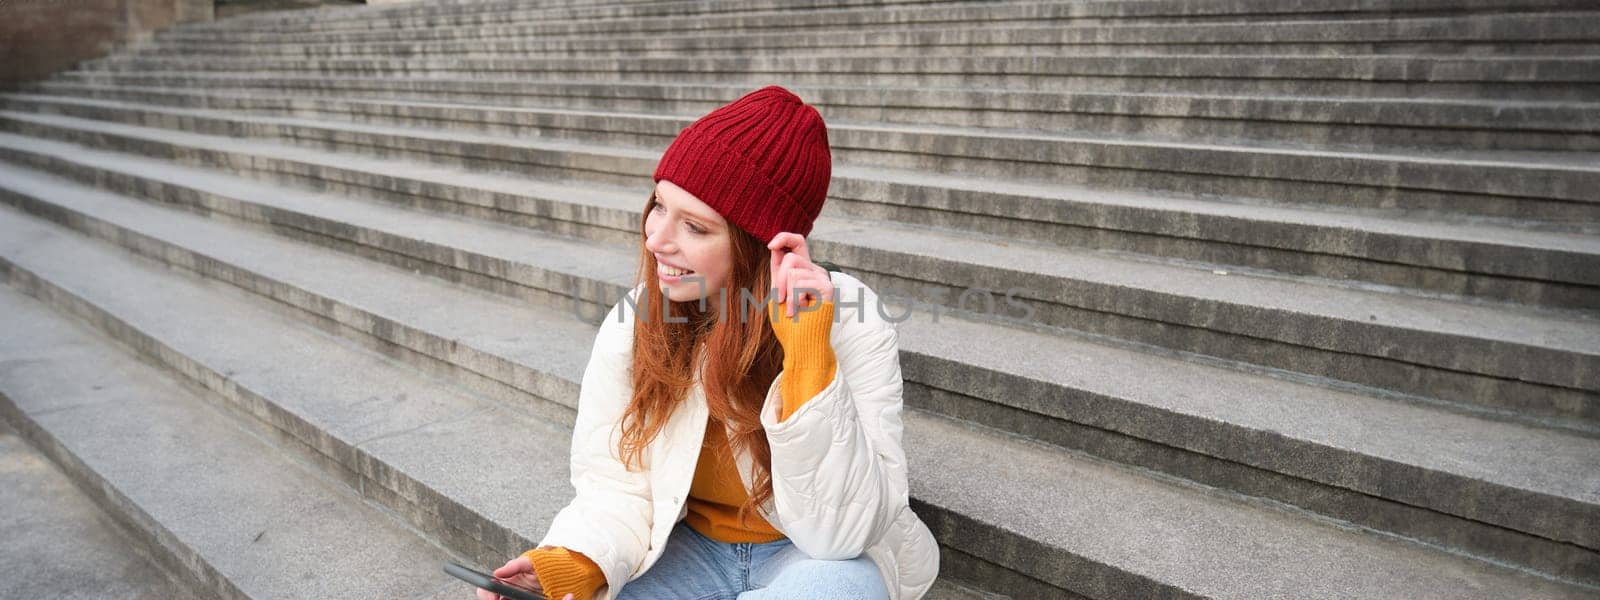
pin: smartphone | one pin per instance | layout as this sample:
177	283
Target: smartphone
492	583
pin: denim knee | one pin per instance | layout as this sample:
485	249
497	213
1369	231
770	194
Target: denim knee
691	567
854	579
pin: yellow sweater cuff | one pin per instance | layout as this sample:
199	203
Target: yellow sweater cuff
808	360
562	571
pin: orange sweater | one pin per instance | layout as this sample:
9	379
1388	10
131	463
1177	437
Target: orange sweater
717	491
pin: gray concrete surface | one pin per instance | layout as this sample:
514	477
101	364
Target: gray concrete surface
1312	284
60	544
241	517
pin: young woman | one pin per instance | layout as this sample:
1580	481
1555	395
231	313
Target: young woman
738	431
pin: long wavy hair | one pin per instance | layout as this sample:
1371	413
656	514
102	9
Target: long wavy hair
739	356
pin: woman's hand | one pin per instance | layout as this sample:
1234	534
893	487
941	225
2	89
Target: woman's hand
518	572
792	268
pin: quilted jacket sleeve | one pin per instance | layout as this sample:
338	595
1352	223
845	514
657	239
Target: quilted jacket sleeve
609	519
839	469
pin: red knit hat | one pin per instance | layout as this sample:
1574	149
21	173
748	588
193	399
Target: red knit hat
761	161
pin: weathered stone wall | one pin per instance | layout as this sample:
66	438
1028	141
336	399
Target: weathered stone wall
39	37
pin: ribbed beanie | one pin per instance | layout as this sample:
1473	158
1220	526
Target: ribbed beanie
761	161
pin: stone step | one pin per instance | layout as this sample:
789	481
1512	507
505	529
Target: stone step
1526	78
1528	185
1513	185
397	435
224	509
355	18
692	15
1416	347
54	530
679	17
544	269
1513	261
1551	34
397	307
1340	123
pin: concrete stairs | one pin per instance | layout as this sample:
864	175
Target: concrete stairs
1287	301
58	541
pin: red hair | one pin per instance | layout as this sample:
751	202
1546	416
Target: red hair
741	357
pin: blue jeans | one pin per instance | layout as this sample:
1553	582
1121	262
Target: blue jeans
695	567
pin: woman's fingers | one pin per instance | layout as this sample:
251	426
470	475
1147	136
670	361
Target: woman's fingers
824	285
792	269
784	274
793	276
777	275
514	566
784	245
806	288
791	242
804	274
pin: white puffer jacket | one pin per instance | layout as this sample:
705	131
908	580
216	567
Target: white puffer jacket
839	470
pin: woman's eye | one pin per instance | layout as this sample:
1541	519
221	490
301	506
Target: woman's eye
692	228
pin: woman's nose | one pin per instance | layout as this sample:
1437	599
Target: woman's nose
657	241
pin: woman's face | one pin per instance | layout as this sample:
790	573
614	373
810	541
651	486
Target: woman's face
684	232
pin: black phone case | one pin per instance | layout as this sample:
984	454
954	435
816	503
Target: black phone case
489	582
